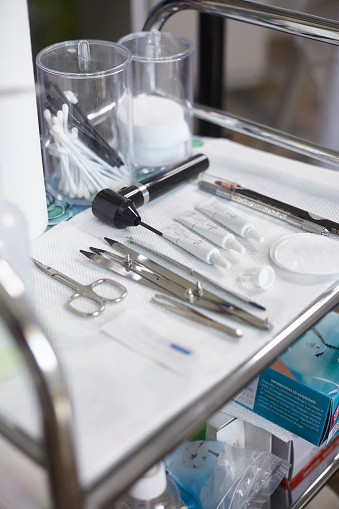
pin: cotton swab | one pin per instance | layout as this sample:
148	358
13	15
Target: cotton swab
81	172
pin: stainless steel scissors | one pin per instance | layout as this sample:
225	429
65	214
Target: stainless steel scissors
84	291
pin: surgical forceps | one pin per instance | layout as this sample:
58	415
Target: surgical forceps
192	314
84	291
143	270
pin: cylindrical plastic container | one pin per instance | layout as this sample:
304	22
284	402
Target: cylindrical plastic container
84	90
162	99
21	168
154	490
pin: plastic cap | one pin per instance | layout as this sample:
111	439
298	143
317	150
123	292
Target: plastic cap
251	233
236	246
114	209
217	259
263	277
151	485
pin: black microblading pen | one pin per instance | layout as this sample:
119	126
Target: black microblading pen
118	208
158	184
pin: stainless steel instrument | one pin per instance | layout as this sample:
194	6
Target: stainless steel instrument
145	271
194	273
192	314
84	291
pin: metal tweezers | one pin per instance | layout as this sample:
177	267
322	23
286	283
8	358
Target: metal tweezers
183	310
145	271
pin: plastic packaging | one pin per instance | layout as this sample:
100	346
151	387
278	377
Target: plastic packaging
224	215
210	230
214	475
152	491
195	245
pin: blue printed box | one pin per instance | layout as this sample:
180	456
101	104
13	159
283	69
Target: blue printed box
300	391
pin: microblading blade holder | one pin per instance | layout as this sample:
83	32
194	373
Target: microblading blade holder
119	208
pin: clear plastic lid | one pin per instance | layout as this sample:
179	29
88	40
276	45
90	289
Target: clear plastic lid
83	59
157	46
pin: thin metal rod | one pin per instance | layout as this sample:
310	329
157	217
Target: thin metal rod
276	18
266	134
211	63
181	426
26	444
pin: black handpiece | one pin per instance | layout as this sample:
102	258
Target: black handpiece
114	209
158	184
118	211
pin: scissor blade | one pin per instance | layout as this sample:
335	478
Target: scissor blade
45	268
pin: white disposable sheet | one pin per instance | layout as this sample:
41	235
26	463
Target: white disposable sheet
121	394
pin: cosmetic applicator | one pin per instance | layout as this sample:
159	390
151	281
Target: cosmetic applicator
118	211
119	208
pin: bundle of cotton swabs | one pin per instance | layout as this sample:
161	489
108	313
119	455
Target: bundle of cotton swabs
82	173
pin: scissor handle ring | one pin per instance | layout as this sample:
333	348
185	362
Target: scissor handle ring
94	297
113	283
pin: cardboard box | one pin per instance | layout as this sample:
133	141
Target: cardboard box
300	391
225	428
307	460
308	463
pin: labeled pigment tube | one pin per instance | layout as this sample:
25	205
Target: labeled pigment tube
195	245
210	230
224	215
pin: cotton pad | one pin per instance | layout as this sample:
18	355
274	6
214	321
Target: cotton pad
161	132
306	253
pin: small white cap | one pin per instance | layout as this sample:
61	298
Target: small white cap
217	259
151	485
251	233
236	246
262	277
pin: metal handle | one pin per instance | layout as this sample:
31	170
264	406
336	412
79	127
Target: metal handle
103	281
89	296
276	18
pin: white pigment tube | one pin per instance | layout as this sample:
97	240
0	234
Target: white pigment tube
224	215
195	245
210	230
